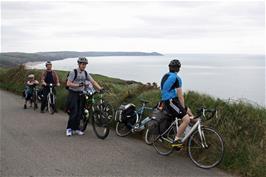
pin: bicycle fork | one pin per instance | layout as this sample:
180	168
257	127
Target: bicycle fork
202	137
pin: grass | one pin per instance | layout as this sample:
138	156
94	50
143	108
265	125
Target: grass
241	125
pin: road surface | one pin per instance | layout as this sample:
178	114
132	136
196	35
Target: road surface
34	144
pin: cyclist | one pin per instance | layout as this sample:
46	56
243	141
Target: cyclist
30	84
173	100
49	76
77	80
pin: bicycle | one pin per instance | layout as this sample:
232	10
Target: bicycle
51	98
138	123
98	111
34	98
205	147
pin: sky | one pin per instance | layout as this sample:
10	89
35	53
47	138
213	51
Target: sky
165	27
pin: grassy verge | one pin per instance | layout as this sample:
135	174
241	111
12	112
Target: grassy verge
241	125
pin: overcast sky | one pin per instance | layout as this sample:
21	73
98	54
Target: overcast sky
166	27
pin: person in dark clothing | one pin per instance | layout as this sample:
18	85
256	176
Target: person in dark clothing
77	80
48	77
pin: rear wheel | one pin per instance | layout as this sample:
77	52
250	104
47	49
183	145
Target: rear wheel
207	153
163	144
122	129
149	137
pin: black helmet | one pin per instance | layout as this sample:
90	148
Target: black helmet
82	60
48	63
175	63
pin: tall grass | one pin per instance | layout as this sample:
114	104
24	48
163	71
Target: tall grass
241	125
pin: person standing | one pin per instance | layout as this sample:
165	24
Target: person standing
48	77
76	82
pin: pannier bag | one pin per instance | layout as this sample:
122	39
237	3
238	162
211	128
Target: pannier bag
127	114
159	122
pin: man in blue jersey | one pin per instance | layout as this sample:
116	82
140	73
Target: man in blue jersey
173	99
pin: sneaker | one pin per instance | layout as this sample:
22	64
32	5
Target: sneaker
177	144
25	106
68	132
79	132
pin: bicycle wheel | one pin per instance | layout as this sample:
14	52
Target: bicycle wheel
34	99
149	137
122	129
101	120
83	123
163	144
210	155
50	103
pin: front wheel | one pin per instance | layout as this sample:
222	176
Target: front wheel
51	103
101	120
206	152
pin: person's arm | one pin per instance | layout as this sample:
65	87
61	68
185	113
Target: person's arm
57	79
70	81
29	83
180	96
42	79
94	83
36	82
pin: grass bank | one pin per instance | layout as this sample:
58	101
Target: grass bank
241	125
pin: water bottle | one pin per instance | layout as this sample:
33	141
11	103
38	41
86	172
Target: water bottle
187	130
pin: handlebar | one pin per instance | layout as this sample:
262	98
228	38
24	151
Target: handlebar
207	113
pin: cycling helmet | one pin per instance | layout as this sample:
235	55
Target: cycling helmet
83	60
31	76
48	63
175	63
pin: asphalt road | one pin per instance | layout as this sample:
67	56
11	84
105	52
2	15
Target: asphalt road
34	144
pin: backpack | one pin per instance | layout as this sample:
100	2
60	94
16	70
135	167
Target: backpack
75	77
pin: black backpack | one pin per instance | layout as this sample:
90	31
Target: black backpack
75	77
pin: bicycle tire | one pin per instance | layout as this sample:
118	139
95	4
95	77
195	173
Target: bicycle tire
149	138
163	144
118	129
198	154
101	120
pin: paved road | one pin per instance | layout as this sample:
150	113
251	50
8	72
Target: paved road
34	144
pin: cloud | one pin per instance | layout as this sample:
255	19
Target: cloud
136	25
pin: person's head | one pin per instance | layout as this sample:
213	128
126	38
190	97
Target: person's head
48	65
31	77
174	65
82	62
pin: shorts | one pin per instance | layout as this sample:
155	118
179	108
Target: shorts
174	107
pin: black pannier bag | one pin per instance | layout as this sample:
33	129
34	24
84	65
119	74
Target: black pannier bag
160	121
127	114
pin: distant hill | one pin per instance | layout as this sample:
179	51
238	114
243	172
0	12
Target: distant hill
17	58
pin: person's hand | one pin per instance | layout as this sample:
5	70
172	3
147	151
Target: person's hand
101	90
44	84
81	84
58	84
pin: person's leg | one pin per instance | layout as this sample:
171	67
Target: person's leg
182	126
79	113
73	111
178	111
